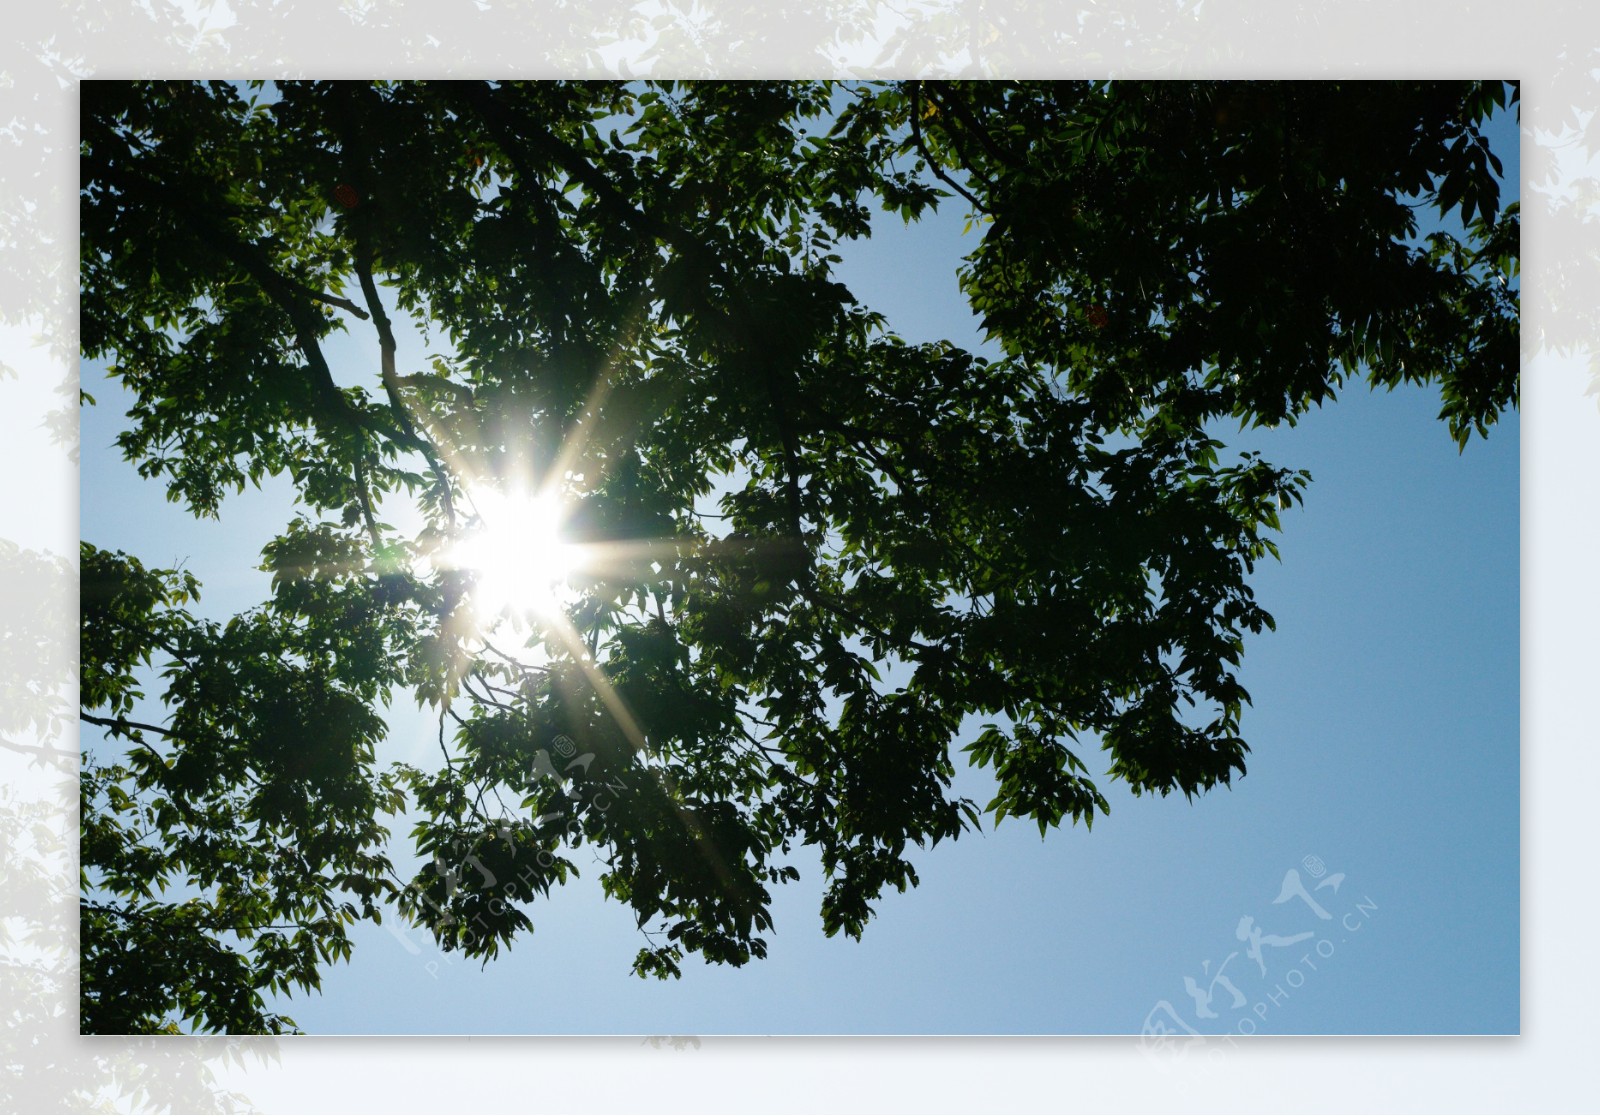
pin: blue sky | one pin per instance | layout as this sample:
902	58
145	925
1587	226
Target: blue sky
1385	742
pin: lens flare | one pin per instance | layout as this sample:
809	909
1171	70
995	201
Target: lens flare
518	554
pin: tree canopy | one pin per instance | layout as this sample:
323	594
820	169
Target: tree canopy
804	555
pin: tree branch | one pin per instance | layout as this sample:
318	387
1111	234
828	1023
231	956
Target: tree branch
124	727
42	752
927	156
215	233
391	380
515	133
355	150
334	300
947	98
363	490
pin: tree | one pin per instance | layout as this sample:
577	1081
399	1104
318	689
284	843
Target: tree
632	296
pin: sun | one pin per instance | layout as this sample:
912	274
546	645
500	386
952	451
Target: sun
518	554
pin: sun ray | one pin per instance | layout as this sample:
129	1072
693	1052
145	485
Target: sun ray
523	565
614	704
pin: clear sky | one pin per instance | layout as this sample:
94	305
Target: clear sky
1385	750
